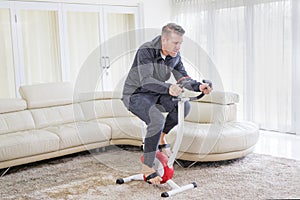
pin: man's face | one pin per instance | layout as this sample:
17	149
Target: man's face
171	44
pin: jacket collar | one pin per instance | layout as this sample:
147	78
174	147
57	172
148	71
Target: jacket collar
156	44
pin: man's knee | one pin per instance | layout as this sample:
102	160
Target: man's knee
157	119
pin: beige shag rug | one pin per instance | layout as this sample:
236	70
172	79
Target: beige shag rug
92	176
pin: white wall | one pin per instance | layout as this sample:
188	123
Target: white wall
157	13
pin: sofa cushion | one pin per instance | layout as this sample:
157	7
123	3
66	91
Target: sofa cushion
203	112
12	105
47	94
105	108
216	138
16	121
27	143
80	133
125	127
52	116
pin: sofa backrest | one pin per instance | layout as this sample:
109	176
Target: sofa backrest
51	103
103	105
211	113
47	94
217	107
56	115
216	97
14	117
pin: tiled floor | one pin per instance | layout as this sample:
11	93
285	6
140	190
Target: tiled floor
279	144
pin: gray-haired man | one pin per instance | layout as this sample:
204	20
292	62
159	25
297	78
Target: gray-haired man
146	93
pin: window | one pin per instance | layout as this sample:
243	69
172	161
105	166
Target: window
251	46
50	42
272	67
40	40
7	75
83	38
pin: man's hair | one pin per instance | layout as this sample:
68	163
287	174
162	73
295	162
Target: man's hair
172	27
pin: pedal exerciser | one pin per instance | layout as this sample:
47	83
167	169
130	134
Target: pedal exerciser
164	165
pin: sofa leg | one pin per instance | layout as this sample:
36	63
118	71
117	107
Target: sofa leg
4	172
98	150
183	165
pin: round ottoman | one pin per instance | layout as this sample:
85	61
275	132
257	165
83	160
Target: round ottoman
216	141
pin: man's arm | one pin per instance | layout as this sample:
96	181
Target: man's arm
180	74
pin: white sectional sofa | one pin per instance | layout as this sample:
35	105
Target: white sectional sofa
51	121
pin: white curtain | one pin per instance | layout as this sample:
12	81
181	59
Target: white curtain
7	80
83	38
41	46
250	44
272	45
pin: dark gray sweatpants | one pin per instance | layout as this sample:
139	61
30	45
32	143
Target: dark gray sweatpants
149	107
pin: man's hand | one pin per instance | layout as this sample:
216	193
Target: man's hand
205	88
175	90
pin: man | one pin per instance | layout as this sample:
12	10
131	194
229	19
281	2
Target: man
146	93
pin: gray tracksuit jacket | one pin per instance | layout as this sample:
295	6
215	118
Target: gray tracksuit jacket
149	71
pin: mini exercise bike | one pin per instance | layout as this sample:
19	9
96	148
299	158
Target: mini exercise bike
164	166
